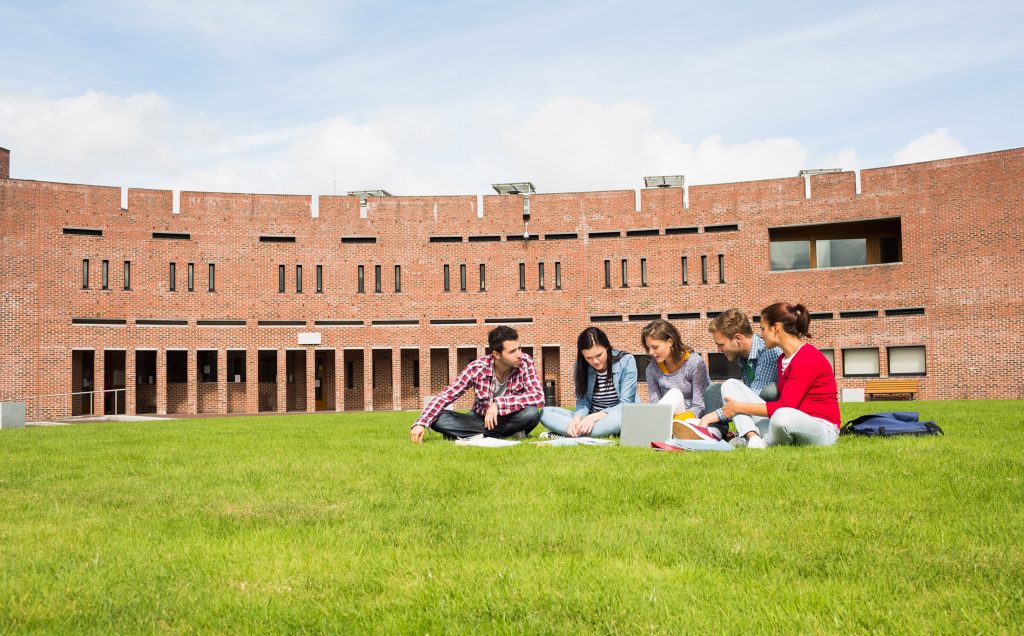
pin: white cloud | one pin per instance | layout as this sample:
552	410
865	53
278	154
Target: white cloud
939	144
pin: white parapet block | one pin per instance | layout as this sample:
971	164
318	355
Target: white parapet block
12	415
853	395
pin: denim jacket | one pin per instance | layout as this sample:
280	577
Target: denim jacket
624	376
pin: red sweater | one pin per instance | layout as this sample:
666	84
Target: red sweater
809	385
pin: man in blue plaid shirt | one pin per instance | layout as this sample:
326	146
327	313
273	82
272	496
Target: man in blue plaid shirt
508	394
735	338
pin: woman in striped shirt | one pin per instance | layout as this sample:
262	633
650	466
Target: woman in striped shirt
605	379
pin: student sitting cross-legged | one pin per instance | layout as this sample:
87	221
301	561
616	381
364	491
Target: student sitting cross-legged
605	379
807	410
508	394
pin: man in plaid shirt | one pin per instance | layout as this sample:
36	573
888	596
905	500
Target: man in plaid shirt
735	338
508	394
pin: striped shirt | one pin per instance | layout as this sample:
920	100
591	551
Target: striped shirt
605	396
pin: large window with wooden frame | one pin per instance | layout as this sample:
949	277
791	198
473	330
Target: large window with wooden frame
826	245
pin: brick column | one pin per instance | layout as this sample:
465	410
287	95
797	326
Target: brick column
129	382
282	380
192	382
252	380
339	379
367	379
396	379
222	381
161	381
310	380
99	383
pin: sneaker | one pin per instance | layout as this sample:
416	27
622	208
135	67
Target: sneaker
519	435
549	435
738	442
757	442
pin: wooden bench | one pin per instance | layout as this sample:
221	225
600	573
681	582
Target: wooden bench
892	387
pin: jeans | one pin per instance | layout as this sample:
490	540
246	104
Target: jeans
557	421
791	426
742	393
452	424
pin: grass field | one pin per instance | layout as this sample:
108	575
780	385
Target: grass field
337	523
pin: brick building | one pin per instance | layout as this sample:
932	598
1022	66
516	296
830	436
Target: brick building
198	302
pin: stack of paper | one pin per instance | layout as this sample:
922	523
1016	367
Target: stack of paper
485	442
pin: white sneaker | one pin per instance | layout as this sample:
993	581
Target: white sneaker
757	442
549	435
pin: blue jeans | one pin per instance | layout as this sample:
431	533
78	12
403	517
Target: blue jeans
557	421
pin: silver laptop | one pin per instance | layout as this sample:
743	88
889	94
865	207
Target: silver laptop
645	423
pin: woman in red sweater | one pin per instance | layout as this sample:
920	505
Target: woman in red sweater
807	411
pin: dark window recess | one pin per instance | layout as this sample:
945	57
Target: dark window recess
686	274
847	244
212	277
276	238
83	231
160	322
726	227
521	237
522	276
350	381
540	276
609	318
206	363
447	278
462	277
220	323
177	367
865	313
445	239
338	323
453	321
484	239
714	314
281	323
504	321
319	279
653	231
173	236
191	276
173	276
719	367
721	268
483	277
85	273
99	321
905	311
280	279
127	275
686	315
607	274
359	239
298	279
236	366
562	236
644	317
625	273
105	274
360	279
385	323
816	315
377	284
704	269
643	272
398	279
642	361
670	231
266	367
600	235
558	275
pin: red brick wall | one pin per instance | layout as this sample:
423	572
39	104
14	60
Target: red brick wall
5	163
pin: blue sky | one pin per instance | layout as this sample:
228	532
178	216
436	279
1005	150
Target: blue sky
313	97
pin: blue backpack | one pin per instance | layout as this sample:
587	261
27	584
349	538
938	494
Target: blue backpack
889	424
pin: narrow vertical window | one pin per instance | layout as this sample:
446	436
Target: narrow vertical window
540	276
105	274
398	279
607	274
298	279
522	276
127	275
558	275
280	279
361	279
703	269
483	277
191	276
643	272
173	277
462	277
447	278
625	273
377	288
85	273
686	274
212	277
319	279
721	268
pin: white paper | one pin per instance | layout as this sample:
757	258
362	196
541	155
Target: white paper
485	442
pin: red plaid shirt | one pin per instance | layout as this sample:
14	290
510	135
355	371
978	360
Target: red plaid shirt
522	389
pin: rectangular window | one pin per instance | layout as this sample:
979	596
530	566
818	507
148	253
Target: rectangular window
212	277
686	274
607	274
85	273
625	273
642	360
841	252
787	255
483	277
447	278
298	279
127	275
173	277
462	277
360	279
558	275
703	269
191	276
860	362
319	279
540	276
721	268
847	244
906	361
280	279
522	276
377	285
105	274
643	272
398	279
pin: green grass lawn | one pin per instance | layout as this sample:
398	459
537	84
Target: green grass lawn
337	523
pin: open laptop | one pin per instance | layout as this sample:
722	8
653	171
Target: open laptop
645	423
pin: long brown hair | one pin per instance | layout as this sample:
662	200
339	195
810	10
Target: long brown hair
663	330
793	317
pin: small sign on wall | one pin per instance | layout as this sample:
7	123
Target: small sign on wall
309	338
